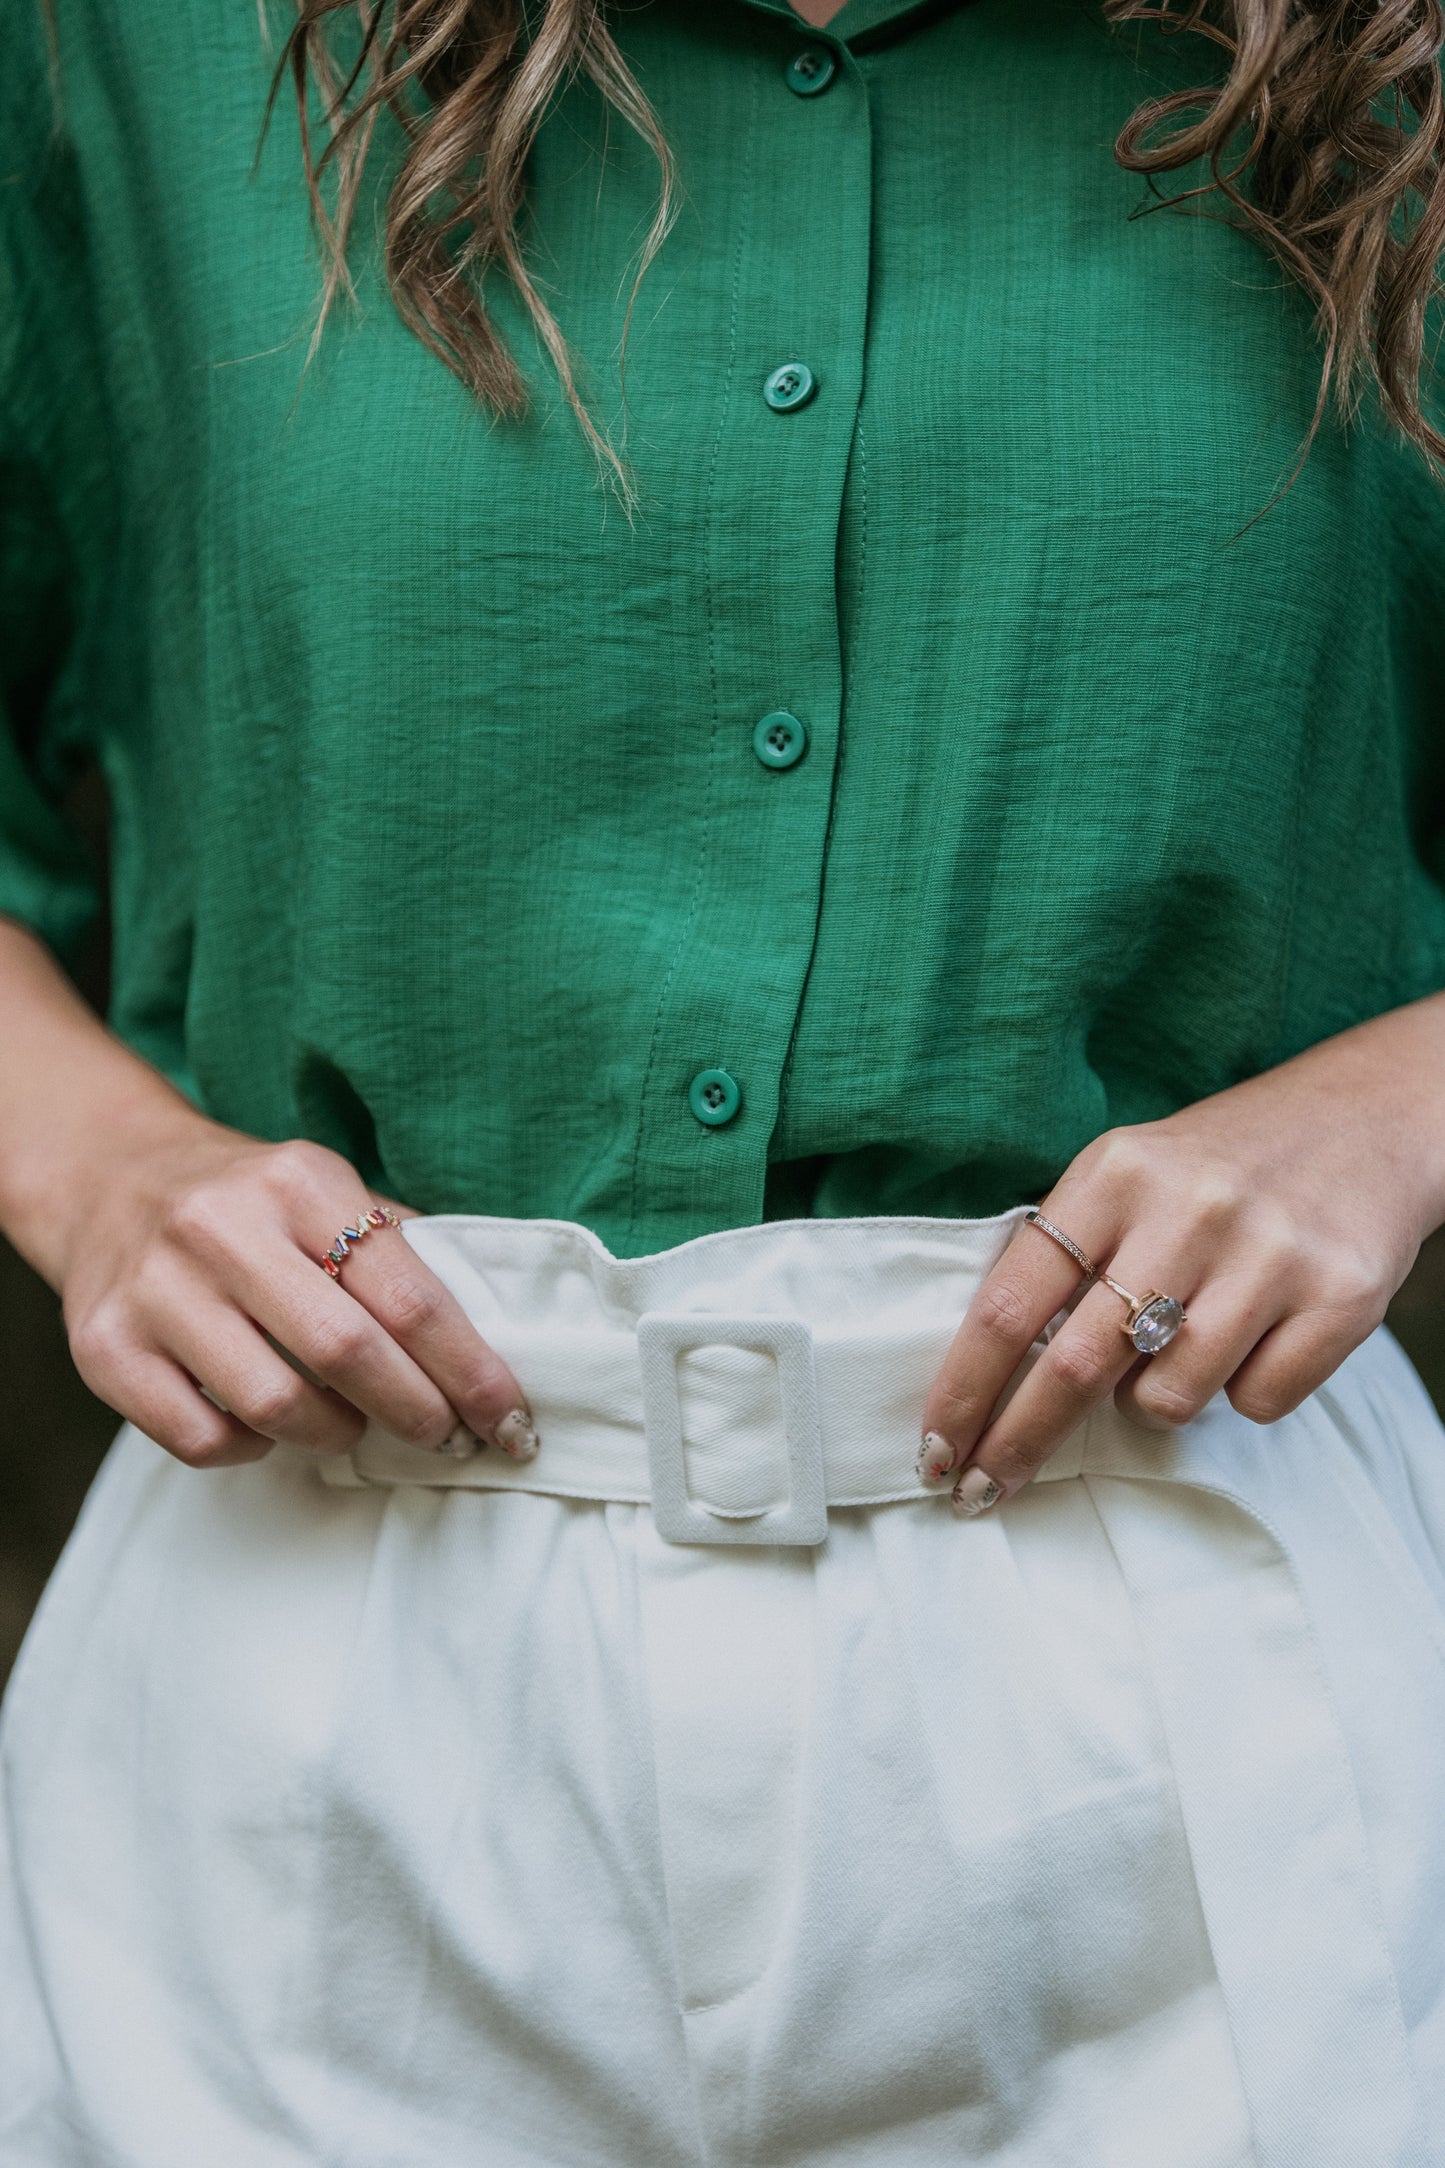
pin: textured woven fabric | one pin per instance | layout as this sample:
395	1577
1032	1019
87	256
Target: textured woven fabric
401	1826
440	834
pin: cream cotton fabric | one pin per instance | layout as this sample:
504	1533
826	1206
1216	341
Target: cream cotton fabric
400	1823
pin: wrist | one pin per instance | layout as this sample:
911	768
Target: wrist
59	1167
77	1107
1414	1048
1392	1071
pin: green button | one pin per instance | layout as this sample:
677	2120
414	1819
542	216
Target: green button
780	739
811	70
791	386
714	1096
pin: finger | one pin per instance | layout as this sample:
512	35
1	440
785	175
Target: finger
422	1315
1030	1284
1288	1364
1228	1316
1078	1369
338	1340
1081	1365
148	1389
237	1364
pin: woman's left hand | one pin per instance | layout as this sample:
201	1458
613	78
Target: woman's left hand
1282	1213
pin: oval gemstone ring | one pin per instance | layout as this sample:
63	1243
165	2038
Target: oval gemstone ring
1153	1319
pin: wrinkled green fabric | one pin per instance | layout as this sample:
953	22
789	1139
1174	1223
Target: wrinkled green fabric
439	831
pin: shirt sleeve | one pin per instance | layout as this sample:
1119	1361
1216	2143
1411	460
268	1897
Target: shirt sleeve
53	516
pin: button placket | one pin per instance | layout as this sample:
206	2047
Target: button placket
782	452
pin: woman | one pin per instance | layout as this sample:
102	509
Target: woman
786	844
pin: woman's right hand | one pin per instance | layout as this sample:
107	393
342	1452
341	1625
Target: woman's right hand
187	1255
199	1251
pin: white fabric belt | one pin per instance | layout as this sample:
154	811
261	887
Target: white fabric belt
737	1425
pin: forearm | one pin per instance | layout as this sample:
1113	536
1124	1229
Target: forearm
69	1092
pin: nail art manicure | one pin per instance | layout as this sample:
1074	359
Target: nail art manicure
935	1458
516	1435
974	1492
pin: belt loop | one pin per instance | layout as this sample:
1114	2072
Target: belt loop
678	1517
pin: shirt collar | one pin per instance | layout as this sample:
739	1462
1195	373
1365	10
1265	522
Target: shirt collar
853	20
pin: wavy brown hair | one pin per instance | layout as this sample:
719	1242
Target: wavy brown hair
469	82
1322	137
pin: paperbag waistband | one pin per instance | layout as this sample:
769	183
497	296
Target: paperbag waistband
742	1384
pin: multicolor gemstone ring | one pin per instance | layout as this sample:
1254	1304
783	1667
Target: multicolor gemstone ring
379	1215
1152	1319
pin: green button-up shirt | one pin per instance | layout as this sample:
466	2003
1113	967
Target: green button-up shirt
445	830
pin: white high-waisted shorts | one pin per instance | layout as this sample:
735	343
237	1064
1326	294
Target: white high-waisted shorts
405	1813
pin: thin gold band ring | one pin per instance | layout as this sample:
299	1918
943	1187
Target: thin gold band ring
1067	1242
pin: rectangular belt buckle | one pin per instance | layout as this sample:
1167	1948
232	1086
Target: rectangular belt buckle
680	1518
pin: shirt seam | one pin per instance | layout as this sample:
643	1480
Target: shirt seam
785	1082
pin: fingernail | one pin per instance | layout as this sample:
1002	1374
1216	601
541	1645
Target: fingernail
461	1444
515	1435
974	1492
935	1458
